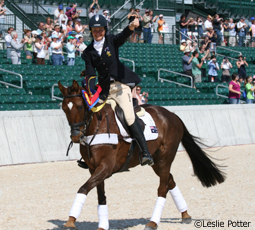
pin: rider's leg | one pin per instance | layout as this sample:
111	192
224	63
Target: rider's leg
121	93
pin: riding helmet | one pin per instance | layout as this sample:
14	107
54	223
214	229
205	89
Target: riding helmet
98	21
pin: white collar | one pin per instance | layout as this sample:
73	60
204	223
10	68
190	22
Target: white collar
99	43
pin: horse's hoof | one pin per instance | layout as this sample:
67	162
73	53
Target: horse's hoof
69	228
186	220
149	228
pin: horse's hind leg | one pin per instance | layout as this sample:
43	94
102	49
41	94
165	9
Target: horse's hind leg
179	201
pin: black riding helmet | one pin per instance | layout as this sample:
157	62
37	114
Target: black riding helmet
98	21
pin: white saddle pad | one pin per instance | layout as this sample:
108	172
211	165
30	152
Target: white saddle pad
150	131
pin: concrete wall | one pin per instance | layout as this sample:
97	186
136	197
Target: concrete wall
41	136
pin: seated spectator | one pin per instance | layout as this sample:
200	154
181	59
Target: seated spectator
92	9
56	48
57	12
234	90
187	62
241	63
213	69
225	66
161	22
183	45
8	40
184	27
141	97
16	46
196	67
203	55
40	28
232	33
79	29
28	46
206	42
49	25
70	51
241	27
80	45
208	23
249	90
40	59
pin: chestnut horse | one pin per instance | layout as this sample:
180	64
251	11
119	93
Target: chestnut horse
104	160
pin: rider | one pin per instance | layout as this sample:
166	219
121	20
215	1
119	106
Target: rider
115	79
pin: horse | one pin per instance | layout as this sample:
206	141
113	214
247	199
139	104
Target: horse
104	160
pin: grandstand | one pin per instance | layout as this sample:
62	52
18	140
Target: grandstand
165	88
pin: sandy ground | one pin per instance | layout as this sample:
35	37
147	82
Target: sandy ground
39	196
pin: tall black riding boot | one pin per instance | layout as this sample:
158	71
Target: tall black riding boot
137	133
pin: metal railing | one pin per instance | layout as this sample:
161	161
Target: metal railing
220	95
53	97
12	85
124	59
120	8
174	28
177	83
220	47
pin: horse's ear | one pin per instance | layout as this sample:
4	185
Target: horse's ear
76	86
62	89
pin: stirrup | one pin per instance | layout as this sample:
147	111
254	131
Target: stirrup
82	164
147	160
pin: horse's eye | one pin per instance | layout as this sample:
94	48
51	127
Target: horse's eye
81	107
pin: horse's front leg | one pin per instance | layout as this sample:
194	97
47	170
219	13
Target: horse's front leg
102	209
103	171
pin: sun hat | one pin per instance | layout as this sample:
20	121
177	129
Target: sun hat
183	40
188	41
35	32
54	36
78	20
147	11
160	16
209	16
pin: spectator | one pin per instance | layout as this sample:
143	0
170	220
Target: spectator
28	46
161	22
217	28
69	26
206	43
79	29
184	27
252	29
153	20
183	45
131	17
92	8
249	90
40	58
8	39
203	55
59	34
232	32
107	17
225	66
192	48
200	24
191	26
16	46
74	12
146	26
46	43
57	12
226	30
241	27
2	18
234	90
208	23
70	51
34	35
56	48
81	44
40	28
241	63
187	62
213	69
69	13
212	35
62	20
138	30
141	97
196	67
49	25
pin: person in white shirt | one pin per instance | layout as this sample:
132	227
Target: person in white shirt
8	39
225	66
56	49
40	58
208	22
70	51
92	9
79	29
107	17
241	26
58	33
16	46
81	44
232	33
62	20
57	12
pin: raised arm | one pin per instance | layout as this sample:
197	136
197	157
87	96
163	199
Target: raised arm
16	45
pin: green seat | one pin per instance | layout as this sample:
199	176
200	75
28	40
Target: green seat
25	107
4	107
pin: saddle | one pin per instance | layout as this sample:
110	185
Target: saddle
120	114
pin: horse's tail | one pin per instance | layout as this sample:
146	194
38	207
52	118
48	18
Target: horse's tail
204	168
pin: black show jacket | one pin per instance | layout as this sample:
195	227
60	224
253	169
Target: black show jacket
108	64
